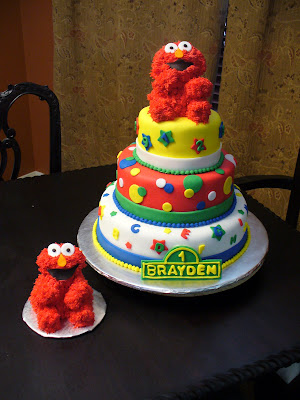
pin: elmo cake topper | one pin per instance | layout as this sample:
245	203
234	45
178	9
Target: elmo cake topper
178	88
61	293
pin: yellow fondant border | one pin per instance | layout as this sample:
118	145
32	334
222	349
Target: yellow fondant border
108	256
135	268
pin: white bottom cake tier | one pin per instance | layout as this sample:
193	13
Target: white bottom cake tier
127	240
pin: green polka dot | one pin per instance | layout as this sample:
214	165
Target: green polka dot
142	191
193	182
130	158
219	171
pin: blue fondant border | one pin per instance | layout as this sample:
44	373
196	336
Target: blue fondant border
135	259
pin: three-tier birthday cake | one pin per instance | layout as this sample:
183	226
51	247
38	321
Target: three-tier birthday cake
174	212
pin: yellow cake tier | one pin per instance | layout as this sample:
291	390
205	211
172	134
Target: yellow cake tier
180	138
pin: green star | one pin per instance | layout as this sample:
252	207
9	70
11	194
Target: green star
218	232
165	137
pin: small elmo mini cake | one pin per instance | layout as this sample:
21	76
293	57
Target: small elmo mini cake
61	292
178	88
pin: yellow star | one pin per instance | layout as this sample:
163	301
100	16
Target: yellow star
167	230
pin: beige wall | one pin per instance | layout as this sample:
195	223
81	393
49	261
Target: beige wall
26	42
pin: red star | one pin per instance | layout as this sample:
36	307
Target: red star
198	145
159	246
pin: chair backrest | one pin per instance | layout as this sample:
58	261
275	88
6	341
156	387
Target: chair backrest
7	99
278	181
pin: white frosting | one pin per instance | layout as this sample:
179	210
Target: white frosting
230	158
143	240
178	163
212	195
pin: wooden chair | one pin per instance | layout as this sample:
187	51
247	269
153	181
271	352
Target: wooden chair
7	99
278	181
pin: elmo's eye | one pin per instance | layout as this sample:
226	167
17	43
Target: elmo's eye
185	46
67	249
54	250
171	48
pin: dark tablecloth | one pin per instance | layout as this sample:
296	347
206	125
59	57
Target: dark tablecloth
147	344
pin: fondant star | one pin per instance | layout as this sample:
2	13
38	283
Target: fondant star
146	141
221	130
158	246
198	145
165	137
136	125
218	232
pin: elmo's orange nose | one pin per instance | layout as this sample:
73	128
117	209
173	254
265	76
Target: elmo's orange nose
178	53
61	262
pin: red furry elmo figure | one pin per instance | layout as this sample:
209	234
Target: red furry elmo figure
178	88
61	292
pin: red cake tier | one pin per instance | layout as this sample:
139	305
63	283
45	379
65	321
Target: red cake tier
172	190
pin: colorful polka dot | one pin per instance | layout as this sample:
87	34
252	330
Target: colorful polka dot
169	188
135	171
120	152
220	171
127	162
230	158
161	183
188	193
201	205
193	182
212	195
142	191
227	185
131	148
121	182
134	194
167	230
167	207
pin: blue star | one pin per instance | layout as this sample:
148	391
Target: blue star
146	141
221	130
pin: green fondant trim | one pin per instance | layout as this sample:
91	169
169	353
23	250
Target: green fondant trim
174	217
179	172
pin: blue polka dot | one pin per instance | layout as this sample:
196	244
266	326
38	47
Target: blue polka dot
201	205
106	194
168	188
126	163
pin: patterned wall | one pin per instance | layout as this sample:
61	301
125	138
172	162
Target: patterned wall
259	98
103	53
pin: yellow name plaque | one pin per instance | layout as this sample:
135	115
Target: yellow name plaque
181	263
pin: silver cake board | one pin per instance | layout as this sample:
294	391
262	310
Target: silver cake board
67	330
234	275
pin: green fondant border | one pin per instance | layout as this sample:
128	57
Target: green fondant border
179	172
174	217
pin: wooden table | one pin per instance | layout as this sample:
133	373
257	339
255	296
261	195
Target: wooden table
147	345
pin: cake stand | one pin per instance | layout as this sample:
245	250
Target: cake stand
237	273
